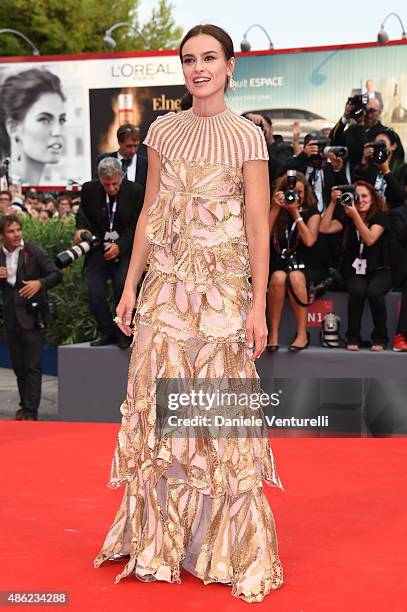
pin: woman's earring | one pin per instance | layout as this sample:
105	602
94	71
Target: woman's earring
232	83
17	140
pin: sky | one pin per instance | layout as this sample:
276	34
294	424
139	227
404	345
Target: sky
292	23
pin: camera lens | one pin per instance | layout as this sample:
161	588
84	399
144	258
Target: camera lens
347	199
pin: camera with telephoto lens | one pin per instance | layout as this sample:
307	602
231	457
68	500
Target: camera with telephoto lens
333	280
291	194
89	242
380	151
341	152
348	194
359	104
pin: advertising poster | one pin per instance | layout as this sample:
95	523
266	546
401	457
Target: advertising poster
312	87
112	107
57	116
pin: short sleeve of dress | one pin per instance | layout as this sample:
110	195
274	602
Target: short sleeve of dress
156	132
310	212
380	219
255	145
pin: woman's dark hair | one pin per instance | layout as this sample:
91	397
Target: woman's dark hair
186	101
378	204
18	93
397	159
309	201
221	36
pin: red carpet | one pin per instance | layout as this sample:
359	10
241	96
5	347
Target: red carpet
341	524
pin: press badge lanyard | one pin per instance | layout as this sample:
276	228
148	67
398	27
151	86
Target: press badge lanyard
288	235
111	212
360	263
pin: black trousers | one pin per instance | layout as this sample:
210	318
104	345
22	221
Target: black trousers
374	287
97	274
25	347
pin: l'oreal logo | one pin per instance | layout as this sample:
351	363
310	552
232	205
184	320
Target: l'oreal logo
140	71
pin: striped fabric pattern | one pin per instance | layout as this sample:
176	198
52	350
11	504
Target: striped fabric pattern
226	138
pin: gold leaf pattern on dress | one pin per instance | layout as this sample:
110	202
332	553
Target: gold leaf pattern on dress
195	502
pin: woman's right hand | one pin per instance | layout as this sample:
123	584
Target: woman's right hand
335	195
124	311
278	199
367	154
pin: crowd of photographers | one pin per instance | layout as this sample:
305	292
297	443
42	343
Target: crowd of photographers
338	221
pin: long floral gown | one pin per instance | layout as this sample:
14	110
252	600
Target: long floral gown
194	504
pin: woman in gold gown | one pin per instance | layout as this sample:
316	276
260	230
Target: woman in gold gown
197	502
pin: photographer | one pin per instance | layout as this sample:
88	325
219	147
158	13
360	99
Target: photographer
359	124
383	167
278	150
294	224
321	167
366	259
109	209
26	273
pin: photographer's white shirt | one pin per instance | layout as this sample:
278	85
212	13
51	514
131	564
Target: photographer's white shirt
130	173
12	263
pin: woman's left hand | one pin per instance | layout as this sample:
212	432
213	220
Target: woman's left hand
384	167
256	331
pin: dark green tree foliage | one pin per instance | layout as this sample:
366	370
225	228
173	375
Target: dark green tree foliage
78	26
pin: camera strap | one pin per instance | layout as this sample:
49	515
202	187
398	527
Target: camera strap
361	244
288	234
309	284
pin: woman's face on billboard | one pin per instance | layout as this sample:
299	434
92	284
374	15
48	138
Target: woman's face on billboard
42	131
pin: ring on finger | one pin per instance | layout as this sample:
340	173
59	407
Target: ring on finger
118	320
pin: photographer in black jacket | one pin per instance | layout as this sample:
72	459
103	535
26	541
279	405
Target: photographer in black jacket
279	151
359	124
383	166
109	209
26	273
322	172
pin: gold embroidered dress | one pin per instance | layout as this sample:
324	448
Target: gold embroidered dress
190	503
